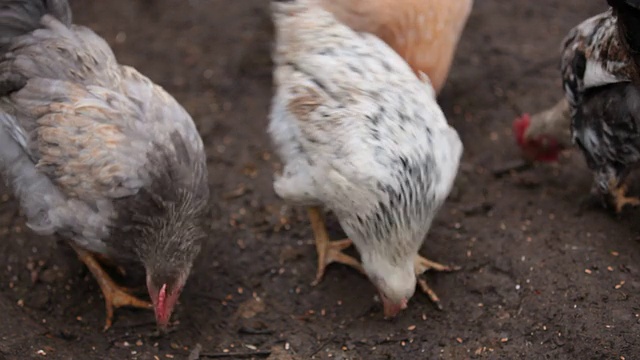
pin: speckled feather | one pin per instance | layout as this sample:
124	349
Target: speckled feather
599	75
360	134
84	140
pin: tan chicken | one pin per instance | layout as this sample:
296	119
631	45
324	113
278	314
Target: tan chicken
424	32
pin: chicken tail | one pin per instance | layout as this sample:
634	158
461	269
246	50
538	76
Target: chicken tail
19	17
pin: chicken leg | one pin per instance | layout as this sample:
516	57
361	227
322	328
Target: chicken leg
114	296
620	198
421	266
328	251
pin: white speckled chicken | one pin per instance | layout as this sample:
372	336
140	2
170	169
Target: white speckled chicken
98	154
362	135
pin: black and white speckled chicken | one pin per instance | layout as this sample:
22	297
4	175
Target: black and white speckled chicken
98	154
600	69
362	135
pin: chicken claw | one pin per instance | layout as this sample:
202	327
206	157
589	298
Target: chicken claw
620	198
115	296
421	266
329	251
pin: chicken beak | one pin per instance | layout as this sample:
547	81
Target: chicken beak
391	309
161	310
163	303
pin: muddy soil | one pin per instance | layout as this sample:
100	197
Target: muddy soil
546	274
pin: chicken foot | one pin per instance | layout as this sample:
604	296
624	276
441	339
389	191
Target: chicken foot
102	259
620	198
422	265
329	251
115	296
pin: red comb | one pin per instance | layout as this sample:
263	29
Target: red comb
520	125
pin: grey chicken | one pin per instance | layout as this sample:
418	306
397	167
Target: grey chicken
360	134
98	154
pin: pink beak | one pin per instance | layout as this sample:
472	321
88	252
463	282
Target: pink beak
391	309
163	305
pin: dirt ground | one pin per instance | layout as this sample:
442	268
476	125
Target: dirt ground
545	274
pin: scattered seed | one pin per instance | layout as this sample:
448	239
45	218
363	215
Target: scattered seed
411	328
588	271
504	340
41	352
609	268
168	356
614	253
619	285
459	340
